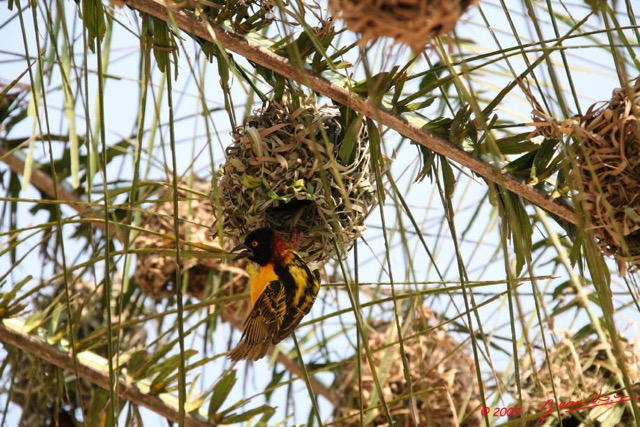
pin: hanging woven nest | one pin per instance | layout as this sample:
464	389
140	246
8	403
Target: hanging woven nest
580	371
608	168
290	169
156	272
412	22
47	394
443	379
605	166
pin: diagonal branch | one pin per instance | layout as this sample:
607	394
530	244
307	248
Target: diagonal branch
44	183
88	367
262	56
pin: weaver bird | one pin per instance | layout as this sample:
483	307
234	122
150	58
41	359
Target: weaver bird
283	289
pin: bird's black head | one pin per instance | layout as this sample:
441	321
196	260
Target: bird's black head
258	246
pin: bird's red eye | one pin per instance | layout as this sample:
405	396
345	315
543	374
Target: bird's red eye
254	243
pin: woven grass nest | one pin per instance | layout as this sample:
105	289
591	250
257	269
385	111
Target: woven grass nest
156	272
443	378
608	166
581	371
47	394
288	168
412	22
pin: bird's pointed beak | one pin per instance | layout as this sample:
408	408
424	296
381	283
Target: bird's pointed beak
246	251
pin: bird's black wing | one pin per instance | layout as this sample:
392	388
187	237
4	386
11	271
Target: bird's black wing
263	323
302	288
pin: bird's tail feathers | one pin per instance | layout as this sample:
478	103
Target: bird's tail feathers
255	341
246	351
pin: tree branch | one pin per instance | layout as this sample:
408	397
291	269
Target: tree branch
44	183
402	124
89	368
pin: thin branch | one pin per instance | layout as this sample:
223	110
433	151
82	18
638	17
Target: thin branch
262	56
87	366
44	183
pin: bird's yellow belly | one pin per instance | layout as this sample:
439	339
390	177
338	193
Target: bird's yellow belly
259	278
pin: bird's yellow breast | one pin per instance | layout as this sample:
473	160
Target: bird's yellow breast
259	277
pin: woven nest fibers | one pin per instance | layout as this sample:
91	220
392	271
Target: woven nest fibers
579	371
608	166
443	379
412	22
47	394
156	272
287	169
